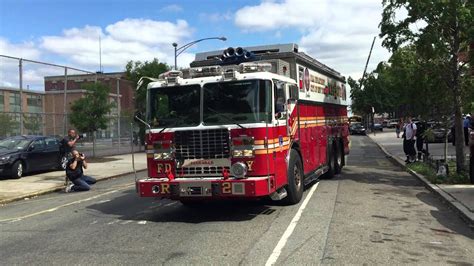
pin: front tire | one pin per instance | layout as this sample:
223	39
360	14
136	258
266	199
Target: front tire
338	159
17	170
331	163
295	175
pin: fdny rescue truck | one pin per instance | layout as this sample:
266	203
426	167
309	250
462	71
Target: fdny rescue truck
244	123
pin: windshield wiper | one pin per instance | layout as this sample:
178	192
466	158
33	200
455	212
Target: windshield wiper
225	117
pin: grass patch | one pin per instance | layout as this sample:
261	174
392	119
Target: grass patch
430	174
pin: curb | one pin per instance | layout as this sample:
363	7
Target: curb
453	203
59	188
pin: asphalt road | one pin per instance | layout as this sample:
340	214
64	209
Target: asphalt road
373	213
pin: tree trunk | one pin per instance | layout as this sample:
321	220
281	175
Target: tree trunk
455	88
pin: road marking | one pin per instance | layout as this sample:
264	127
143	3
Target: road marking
141	222
15	219
289	230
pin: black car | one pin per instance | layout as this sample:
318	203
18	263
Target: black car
357	128
23	154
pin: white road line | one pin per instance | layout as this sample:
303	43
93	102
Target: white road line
15	219
289	230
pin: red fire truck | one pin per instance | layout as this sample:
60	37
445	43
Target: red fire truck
244	123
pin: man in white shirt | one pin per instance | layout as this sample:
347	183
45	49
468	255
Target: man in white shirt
409	140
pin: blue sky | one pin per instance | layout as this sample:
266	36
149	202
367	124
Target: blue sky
336	32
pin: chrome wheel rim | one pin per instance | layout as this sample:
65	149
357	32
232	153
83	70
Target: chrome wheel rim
19	170
297	176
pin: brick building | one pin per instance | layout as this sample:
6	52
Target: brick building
54	97
32	106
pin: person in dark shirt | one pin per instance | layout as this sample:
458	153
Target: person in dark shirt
75	173
68	143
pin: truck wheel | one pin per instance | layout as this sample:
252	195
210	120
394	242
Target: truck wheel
338	159
331	163
295	185
17	169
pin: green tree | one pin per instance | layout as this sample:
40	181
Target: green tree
8	125
89	113
33	123
449	31
136	70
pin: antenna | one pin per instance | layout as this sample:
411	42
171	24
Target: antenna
100	54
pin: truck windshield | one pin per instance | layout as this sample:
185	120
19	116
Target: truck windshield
240	102
174	106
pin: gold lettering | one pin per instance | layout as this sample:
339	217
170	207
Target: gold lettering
165	188
167	167
249	165
226	188
160	168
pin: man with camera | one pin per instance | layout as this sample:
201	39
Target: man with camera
69	142
75	173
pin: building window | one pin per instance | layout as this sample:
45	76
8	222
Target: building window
15	102
35	103
2	101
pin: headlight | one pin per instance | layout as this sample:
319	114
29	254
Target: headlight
4	159
163	156
242	153
238	170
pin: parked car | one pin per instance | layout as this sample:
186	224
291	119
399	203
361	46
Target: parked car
378	127
439	133
357	128
392	123
23	154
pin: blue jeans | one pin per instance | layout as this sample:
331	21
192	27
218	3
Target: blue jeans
83	183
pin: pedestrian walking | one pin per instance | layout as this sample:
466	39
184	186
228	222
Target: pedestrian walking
398	127
466	125
420	139
75	173
409	137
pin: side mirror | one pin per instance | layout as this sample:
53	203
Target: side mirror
138	116
294	93
31	148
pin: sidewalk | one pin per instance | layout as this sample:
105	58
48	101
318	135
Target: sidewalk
37	184
460	197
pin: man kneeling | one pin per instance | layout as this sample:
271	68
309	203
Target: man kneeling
75	173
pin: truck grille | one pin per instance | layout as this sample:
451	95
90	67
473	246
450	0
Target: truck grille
202	171
202	144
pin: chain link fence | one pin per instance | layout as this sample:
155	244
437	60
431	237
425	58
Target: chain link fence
36	99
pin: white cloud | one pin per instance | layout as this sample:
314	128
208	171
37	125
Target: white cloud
9	71
171	8
21	50
216	17
336	32
125	40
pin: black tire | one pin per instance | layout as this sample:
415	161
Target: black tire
17	169
295	176
338	161
331	163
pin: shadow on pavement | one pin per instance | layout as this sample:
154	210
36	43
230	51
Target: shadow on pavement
129	206
445	216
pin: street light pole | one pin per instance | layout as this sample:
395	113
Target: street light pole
178	51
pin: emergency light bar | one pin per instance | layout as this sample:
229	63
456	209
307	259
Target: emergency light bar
171	76
255	67
205	71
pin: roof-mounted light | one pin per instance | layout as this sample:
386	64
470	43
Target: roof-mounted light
229	74
255	67
171	76
209	71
